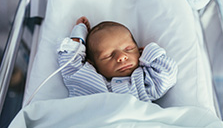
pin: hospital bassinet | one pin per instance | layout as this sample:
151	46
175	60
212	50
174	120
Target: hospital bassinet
32	22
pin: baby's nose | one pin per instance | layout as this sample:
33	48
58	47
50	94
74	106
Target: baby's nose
122	57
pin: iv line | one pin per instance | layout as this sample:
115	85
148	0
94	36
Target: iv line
41	85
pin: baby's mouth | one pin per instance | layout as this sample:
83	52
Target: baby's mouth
125	67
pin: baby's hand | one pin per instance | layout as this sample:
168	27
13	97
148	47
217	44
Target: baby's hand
84	20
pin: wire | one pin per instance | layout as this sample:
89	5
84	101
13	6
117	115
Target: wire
41	85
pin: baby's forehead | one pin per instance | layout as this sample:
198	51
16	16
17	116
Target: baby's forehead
104	30
110	31
110	34
105	27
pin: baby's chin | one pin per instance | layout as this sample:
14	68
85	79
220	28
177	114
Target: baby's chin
127	72
124	73
121	74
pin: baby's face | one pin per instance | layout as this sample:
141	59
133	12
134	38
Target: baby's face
115	52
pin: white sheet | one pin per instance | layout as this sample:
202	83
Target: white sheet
198	4
172	24
111	111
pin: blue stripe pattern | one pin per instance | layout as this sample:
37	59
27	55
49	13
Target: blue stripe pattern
156	74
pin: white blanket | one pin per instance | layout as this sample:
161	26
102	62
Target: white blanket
111	110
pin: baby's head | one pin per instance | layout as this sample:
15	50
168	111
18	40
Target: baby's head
112	50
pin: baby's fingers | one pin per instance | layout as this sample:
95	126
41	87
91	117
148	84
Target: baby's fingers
84	20
87	25
81	20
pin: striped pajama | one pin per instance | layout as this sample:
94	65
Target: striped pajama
155	75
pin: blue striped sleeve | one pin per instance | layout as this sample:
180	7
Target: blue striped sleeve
66	51
160	71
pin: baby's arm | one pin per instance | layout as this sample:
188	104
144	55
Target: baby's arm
160	70
69	47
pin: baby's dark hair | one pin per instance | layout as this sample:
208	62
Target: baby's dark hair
98	27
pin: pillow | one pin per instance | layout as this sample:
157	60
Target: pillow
172	24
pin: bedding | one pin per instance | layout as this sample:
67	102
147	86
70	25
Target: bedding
198	4
172	24
111	110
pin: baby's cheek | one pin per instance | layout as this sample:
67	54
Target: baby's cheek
105	68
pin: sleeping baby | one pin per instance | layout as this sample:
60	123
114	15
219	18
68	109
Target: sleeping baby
110	61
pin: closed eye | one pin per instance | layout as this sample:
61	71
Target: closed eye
107	57
130	48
